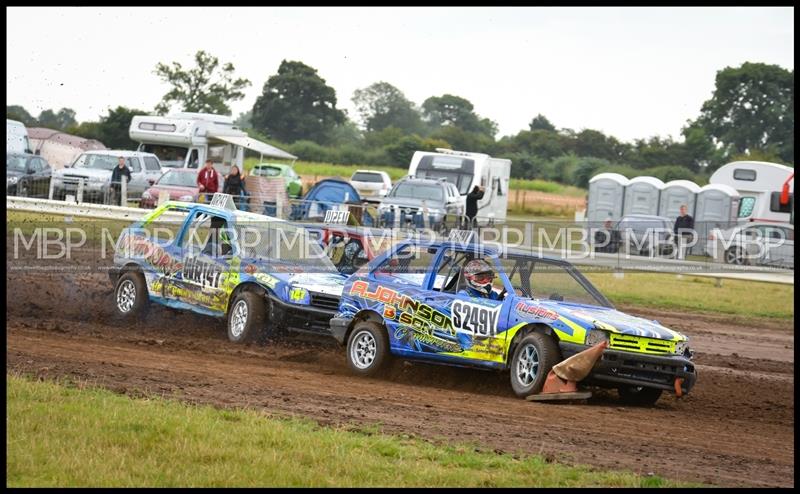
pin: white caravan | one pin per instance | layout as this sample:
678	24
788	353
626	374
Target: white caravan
466	170
17	137
186	140
760	185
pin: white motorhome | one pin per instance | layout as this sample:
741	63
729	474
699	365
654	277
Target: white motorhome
466	170
760	186
186	140
17	137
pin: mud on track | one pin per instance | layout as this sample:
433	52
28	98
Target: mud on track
735	428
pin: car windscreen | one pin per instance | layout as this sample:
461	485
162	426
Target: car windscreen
461	180
283	244
16	162
267	171
367	177
169	156
101	162
178	179
417	191
548	280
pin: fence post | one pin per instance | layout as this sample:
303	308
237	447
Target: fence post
123	192
80	191
279	206
52	186
425	220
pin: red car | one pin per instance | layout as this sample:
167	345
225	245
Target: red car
181	183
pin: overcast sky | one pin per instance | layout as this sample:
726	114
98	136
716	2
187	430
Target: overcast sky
630	72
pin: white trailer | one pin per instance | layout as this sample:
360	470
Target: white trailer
466	170
17	137
760	185
186	140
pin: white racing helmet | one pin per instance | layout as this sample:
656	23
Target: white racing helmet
479	275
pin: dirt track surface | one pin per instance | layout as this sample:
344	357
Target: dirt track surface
736	428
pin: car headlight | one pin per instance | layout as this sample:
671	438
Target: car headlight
186	198
11	180
300	296
596	336
681	347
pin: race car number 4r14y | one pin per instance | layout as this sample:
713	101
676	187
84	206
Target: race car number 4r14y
261	273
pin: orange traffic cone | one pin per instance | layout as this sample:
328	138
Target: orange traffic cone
561	382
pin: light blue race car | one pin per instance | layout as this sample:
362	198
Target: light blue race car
260	273
420	301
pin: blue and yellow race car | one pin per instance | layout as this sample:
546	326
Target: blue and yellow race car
521	311
261	273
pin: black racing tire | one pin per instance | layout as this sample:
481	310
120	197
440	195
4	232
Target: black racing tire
535	352
130	295
735	255
638	395
247	317
368	349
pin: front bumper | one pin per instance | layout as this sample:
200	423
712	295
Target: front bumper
302	317
338	327
637	369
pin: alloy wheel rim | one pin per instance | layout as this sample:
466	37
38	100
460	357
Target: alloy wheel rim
238	318
363	350
528	365
126	296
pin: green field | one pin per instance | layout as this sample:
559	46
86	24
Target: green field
744	299
80	437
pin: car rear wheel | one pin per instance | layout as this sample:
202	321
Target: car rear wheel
247	317
734	255
534	356
638	395
130	295
367	348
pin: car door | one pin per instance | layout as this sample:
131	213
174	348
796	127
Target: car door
42	177
138	182
780	243
476	322
205	264
152	170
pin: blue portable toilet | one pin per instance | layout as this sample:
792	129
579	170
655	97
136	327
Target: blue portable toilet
326	194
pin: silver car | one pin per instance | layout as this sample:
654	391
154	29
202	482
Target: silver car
94	169
756	243
646	235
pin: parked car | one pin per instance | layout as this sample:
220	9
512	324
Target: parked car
94	169
646	235
757	243
258	272
180	183
27	175
371	185
412	303
294	186
409	195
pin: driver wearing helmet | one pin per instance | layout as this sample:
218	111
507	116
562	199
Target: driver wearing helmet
479	276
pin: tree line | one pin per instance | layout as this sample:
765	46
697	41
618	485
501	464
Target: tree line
750	115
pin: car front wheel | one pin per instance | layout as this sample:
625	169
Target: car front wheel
367	348
247	317
534	356
130	295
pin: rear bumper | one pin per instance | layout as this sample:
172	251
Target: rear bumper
637	369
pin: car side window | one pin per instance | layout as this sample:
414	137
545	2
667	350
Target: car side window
133	164
407	266
151	164
208	235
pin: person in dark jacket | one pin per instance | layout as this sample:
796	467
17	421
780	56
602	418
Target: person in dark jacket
472	204
234	185
117	173
684	231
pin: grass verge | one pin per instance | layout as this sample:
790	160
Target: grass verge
63	436
698	294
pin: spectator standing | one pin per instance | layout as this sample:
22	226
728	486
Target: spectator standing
208	180
119	171
472	204
684	231
234	185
